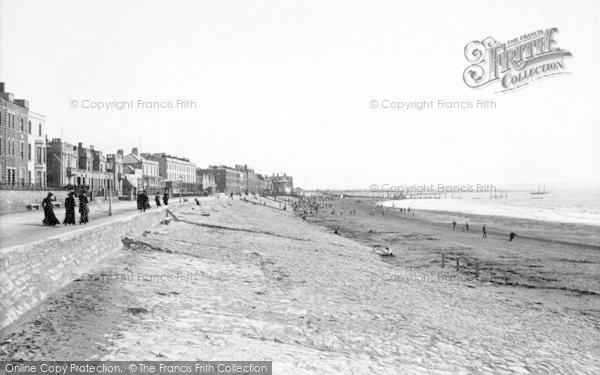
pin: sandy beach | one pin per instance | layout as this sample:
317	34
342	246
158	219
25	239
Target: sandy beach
237	280
555	263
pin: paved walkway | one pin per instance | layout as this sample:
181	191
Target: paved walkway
25	227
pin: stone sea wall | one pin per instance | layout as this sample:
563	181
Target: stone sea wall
30	272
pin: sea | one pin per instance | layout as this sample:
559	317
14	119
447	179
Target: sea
563	206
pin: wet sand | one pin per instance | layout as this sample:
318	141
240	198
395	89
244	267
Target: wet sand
555	263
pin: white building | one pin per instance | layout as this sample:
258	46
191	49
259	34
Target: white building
36	164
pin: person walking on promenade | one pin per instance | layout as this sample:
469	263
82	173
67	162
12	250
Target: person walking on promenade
454	225
467	226
143	201
157	199
511	236
146	200
49	217
138	200
83	208
484	231
70	209
166	197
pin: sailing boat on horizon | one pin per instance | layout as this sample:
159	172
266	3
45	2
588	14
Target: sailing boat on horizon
539	191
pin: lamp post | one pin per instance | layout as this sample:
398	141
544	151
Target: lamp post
180	186
109	197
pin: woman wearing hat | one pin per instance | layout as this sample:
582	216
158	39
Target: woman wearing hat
70	209
83	208
49	217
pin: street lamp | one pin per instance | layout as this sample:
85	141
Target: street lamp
109	197
180	186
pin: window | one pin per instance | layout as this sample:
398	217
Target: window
29	151
44	153
1	149
40	130
22	125
29	126
22	151
38	154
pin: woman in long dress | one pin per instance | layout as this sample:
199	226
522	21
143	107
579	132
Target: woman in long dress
83	208
70	209
49	217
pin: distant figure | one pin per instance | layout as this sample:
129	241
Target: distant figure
454	225
197	201
157	199
484	232
49	217
145	201
511	236
166	198
83	208
467	226
70	209
373	212
387	252
336	231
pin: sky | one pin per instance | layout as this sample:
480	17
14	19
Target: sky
288	86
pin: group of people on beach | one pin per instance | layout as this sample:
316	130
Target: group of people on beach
511	235
50	218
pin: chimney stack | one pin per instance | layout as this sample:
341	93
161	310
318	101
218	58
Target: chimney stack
134	151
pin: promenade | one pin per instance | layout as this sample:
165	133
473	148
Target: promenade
25	227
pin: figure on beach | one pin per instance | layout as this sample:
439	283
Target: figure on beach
49	217
70	209
467	226
511	236
387	252
454	225
166	198
157	199
484	231
83	208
